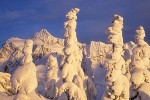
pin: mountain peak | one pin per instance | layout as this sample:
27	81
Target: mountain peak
44	31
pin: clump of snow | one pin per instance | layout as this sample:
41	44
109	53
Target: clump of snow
117	86
74	91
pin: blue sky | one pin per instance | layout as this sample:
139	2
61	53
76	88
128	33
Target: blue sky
22	18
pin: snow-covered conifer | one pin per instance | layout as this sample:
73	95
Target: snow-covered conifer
24	79
72	72
53	79
117	84
140	75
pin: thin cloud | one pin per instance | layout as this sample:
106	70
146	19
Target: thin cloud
11	15
6	16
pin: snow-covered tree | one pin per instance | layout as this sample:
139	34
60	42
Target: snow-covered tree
128	47
140	75
24	79
53	79
117	84
71	66
115	38
72	72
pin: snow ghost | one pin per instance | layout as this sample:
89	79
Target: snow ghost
24	77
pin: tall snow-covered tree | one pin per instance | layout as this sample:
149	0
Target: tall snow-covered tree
117	84
72	72
140	75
